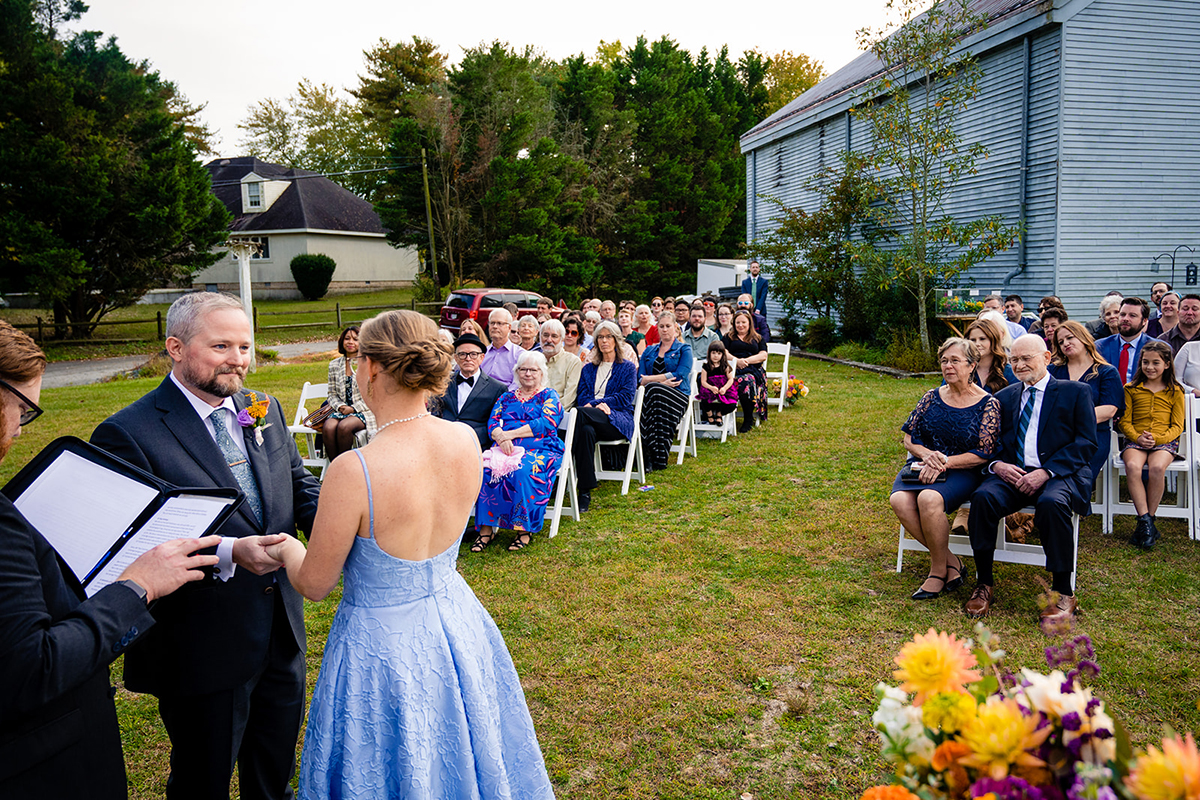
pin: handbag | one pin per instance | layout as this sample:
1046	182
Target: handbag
912	473
317	418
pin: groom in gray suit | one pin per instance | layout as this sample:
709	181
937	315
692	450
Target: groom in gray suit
226	657
472	393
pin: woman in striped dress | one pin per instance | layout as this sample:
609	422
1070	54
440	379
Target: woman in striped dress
665	370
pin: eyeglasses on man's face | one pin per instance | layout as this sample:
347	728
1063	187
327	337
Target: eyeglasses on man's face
30	412
468	355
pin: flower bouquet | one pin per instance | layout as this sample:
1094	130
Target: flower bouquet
795	389
957	306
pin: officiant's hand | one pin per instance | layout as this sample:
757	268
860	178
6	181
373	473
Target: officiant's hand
163	569
250	552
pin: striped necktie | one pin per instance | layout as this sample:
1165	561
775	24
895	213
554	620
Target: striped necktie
1023	424
238	463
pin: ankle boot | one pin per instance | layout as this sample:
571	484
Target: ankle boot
1141	531
1151	534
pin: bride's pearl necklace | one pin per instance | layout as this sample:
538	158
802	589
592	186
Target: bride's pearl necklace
380	429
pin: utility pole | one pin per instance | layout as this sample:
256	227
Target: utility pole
429	221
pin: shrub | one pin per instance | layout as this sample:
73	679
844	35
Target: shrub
820	335
905	353
791	326
424	289
856	351
313	272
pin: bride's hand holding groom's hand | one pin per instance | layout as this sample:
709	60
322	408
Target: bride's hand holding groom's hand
260	554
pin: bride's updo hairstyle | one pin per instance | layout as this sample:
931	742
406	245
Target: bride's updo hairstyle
406	346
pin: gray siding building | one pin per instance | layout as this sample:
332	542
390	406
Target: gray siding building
1091	112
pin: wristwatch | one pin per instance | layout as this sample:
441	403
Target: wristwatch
136	587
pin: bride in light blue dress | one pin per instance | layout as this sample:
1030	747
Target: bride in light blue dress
417	695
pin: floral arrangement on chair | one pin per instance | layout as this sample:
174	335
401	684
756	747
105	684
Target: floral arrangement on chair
959	726
795	389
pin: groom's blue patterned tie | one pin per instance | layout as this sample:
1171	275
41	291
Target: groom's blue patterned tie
238	463
1023	424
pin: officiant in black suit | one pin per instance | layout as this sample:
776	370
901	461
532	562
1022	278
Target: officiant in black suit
226	659
472	393
59	735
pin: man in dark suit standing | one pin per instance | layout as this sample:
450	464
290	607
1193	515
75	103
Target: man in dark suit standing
226	659
59	735
472	393
1047	439
756	287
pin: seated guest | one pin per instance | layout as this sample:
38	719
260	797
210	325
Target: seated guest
472	393
1110	316
710	310
1047	302
697	335
1187	329
1123	348
716	385
607	386
590	320
749	352
472	326
760	322
1014	309
527	332
350	414
953	431
657	307
1187	367
682	309
562	368
992	372
724	325
1075	358
501	357
517	482
643	317
666	371
994	302
997	319
1157	290
58	726
1047	439
573	337
1051	318
543	309
1168	314
608	310
632	338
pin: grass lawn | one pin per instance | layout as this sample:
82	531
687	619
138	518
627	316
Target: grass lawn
722	633
271	312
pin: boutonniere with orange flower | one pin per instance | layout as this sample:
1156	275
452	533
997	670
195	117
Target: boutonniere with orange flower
254	415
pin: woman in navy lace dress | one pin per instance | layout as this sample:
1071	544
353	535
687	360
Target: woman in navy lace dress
953	431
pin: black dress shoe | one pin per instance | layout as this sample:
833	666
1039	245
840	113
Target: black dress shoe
956	582
925	594
1141	531
1151	535
585	501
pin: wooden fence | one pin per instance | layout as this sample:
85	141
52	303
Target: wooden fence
339	320
39	327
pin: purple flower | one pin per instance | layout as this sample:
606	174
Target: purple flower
1071	721
244	419
1092	705
1008	788
1089	667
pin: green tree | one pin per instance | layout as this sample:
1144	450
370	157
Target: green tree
318	129
397	73
911	110
103	197
790	75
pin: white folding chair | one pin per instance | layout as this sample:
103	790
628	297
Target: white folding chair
686	432
633	456
699	426
566	493
778	349
1185	468
314	458
1011	552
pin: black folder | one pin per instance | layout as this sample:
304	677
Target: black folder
127	509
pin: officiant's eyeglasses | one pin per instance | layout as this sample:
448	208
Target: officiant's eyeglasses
31	411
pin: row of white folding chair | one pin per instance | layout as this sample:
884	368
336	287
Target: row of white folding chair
566	483
312	458
779	349
634	463
1187	468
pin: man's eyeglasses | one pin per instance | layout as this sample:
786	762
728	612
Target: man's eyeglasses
468	355
31	411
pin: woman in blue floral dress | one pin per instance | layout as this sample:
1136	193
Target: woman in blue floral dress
519	470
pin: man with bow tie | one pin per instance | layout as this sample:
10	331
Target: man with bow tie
226	657
472	393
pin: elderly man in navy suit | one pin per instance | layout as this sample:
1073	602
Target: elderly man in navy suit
1124	348
757	288
226	659
1047	438
472	393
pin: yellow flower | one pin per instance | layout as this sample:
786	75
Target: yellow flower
1170	774
948	711
935	662
999	737
258	408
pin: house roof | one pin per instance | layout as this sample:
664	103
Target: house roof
864	68
311	201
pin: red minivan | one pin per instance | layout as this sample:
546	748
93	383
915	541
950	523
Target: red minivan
477	304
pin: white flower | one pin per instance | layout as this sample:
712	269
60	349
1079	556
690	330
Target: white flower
901	726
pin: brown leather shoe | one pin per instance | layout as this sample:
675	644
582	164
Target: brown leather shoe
980	602
1059	617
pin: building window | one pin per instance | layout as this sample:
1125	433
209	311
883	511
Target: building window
254	195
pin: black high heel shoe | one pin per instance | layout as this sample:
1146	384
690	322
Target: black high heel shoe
951	585
922	594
